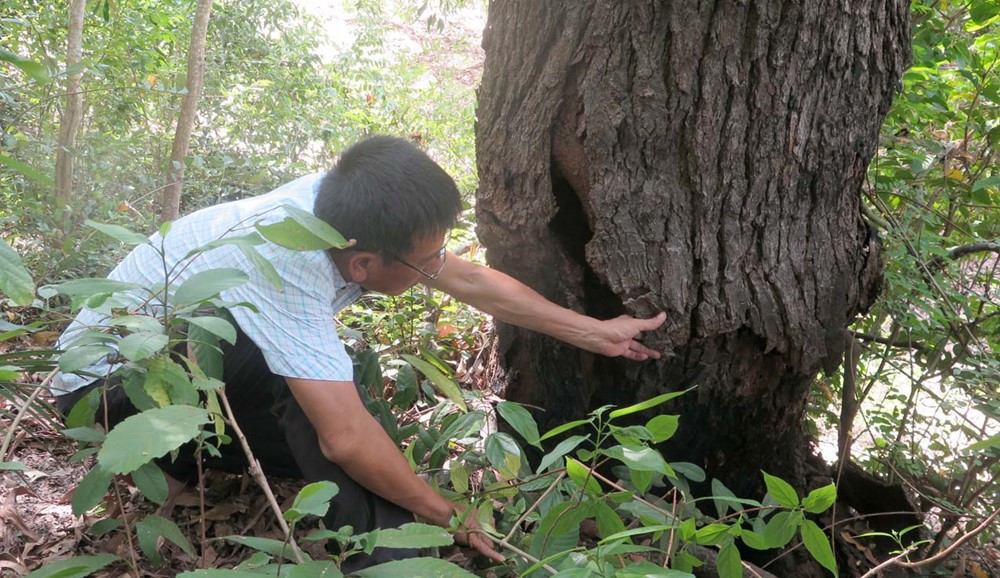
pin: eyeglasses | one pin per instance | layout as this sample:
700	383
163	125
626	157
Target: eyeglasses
441	256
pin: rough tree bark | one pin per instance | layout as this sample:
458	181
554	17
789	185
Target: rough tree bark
702	158
170	202
72	113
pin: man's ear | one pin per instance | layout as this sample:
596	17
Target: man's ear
359	265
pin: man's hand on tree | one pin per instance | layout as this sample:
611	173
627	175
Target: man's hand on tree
619	337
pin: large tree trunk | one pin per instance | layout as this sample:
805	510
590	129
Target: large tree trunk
72	113
702	158
171	200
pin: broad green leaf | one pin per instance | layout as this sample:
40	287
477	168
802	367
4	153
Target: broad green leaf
35	70
781	491
406	387
564	447
207	355
315	569
564	428
217	326
780	529
712	534
26	170
689	471
820	499
729	563
151	482
458	475
223	573
312	500
91	490
722	498
76	358
149	435
504	454
642	530
984	444
422	567
302	231
118	233
84	434
151	528
609	522
102	527
640	458
581	475
818	545
139	346
520	419
89	287
413	535
76	567
15	280
263	266
138	323
445	384
662	427
754	540
268	545
12	466
647	404
208	284
646	569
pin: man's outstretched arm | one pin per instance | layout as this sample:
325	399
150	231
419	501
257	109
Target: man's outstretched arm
513	302
351	438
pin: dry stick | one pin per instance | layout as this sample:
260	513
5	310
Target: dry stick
503	543
673	532
948	551
128	531
888	562
527	512
201	505
258	475
21	413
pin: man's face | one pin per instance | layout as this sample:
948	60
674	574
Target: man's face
394	276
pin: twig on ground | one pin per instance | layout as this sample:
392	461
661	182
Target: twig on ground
21	413
258	475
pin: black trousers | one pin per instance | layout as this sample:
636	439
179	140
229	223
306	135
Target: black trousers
281	437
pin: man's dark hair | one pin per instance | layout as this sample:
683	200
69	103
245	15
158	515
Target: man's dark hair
387	193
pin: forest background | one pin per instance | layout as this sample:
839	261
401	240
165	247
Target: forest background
284	91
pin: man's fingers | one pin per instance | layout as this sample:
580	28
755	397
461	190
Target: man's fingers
654	322
644	351
484	547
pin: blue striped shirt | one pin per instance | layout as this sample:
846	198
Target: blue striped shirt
295	326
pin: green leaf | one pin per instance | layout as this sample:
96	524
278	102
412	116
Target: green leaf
820	499
564	447
984	444
413	535
646	569
609	522
151	528
315	569
208	284
721	498
139	346
91	490
406	387
102	527
422	567
90	287
754	540
12	466
149	435
818	545
563	428
118	233
662	427
217	326
640	458
151	482
268	545
729	563
520	419
581	475
76	567
302	231
26	170
249	240
223	573
263	266
138	323
312	500
207	355
780	529
504	454
781	491
33	69
647	404
712	534
76	358
84	434
15	280
445	384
